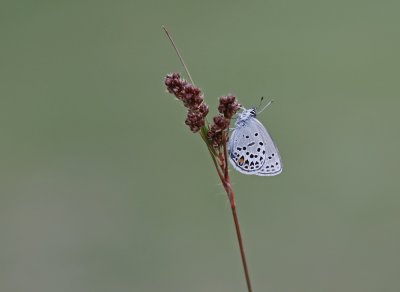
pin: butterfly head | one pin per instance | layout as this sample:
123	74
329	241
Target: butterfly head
251	112
245	115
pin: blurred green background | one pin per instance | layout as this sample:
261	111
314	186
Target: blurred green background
103	188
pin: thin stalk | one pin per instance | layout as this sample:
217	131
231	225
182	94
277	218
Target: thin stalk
182	62
226	173
220	174
223	173
239	236
231	196
178	53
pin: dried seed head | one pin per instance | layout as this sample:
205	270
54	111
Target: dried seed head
220	123
217	131
175	84
203	109
192	99
228	106
189	94
216	137
195	120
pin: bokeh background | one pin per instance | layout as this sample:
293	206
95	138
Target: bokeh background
103	188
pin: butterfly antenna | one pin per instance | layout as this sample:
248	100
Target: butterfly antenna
267	105
261	100
178	53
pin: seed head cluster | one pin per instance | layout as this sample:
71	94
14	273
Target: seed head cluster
217	131
192	99
228	106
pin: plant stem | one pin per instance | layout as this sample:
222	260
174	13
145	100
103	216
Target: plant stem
231	196
220	174
226	181
178	53
222	170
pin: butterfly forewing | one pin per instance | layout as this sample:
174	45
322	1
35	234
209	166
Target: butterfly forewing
252	150
272	161
247	149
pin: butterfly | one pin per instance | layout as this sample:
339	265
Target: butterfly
251	149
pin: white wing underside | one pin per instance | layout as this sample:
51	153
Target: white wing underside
252	150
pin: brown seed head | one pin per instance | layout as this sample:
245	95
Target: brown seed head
195	120
175	84
217	131
189	94
192	99
203	109
228	106
220	123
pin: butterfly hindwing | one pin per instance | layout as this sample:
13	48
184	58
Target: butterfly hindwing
251	148
246	149
273	163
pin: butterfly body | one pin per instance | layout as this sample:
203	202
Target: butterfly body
251	148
